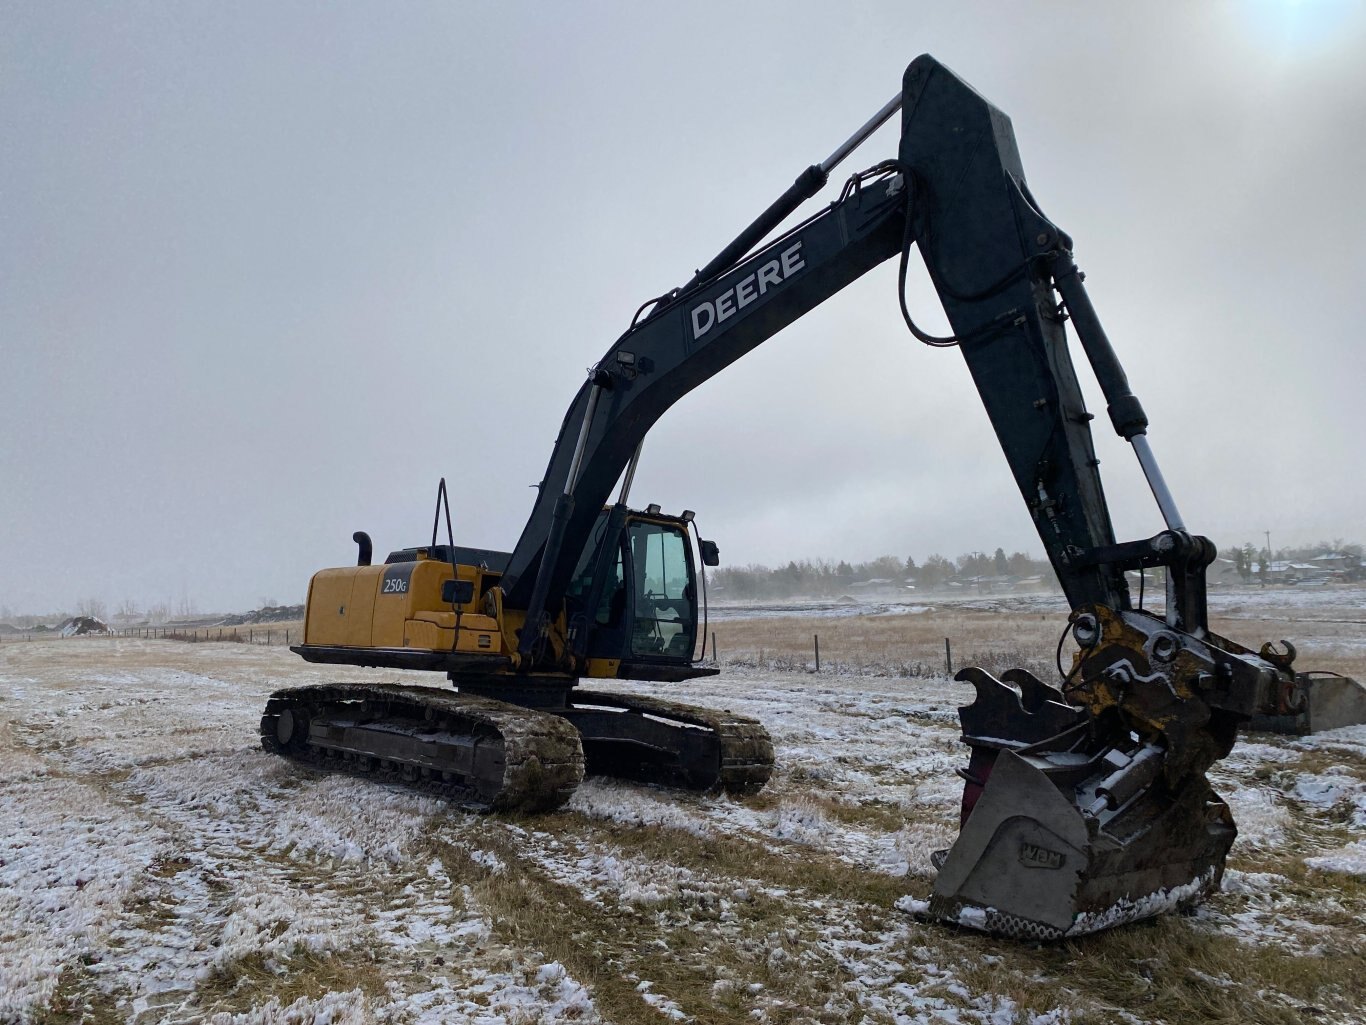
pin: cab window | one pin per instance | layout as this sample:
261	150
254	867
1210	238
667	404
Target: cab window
665	622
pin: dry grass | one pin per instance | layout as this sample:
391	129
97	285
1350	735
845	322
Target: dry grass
912	644
77	1002
686	945
1334	644
1163	969
1166	969
528	908
252	981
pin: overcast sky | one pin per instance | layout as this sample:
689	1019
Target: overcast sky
269	270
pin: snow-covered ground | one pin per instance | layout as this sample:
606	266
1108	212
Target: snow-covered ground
157	866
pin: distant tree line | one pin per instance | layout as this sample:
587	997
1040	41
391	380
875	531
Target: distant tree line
821	578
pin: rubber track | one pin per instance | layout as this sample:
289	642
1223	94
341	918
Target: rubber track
746	748
543	759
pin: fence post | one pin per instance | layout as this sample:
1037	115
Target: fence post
817	639
286	638
948	659
714	656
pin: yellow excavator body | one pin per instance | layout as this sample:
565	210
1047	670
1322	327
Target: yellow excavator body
400	605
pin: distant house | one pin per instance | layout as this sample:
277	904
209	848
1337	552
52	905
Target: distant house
1225	571
1336	562
989	583
1287	572
884	586
1320	569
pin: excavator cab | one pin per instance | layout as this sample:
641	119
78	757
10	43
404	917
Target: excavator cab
633	597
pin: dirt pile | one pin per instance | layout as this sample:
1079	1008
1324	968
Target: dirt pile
83	626
269	614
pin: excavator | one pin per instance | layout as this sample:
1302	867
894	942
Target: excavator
1086	802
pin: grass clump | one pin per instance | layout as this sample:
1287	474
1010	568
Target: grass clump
254	980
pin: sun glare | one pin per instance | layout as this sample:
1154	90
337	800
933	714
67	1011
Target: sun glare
1299	28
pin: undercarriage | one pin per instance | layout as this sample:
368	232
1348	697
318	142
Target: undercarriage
492	755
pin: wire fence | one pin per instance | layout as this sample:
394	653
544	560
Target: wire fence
784	658
263	635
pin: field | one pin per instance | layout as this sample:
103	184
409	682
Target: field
157	866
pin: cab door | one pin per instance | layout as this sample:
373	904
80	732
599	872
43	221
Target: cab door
632	597
657	570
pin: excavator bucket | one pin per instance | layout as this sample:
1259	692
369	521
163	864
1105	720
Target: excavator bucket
1087	807
1058	843
1332	701
1317	702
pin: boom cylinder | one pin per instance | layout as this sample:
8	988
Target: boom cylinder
808	183
858	138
